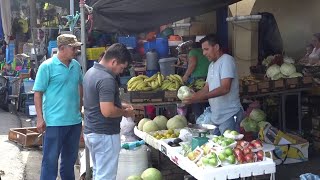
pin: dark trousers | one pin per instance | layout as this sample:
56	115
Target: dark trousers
198	109
64	141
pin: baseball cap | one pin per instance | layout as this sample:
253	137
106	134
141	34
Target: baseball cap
68	39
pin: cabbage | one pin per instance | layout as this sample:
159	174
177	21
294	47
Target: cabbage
277	77
296	74
249	125
287	59
134	178
141	123
257	115
267	60
150	126
287	69
184	92
151	174
161	121
273	70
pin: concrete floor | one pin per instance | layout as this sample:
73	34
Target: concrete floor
24	164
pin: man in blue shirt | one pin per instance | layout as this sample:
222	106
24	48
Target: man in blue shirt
222	87
58	98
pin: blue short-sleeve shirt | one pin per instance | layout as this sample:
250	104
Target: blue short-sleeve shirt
60	87
223	107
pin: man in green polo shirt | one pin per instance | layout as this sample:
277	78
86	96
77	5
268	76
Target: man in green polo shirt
58	98
197	68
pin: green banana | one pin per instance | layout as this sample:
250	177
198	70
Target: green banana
178	78
177	85
151	78
170	78
147	88
165	85
133	79
159	79
141	86
135	84
143	76
154	84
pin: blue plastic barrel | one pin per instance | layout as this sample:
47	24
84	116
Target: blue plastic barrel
10	53
162	47
150	73
149	45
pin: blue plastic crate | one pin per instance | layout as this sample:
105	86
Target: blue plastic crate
128	41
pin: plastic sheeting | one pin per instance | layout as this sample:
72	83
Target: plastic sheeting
5	6
270	41
128	16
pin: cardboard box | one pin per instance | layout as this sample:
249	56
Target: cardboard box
291	153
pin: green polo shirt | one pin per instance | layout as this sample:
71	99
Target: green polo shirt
201	69
60	87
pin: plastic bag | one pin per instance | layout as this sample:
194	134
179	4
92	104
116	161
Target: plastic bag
205	117
309	176
127	134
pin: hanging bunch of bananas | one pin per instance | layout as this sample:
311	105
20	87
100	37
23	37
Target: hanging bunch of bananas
145	83
172	82
197	84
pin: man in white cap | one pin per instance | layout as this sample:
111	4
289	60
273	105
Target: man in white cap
58	98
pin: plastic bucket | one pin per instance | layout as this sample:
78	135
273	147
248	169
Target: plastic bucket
28	85
162	47
166	65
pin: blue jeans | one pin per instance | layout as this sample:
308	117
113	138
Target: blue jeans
104	150
233	123
64	141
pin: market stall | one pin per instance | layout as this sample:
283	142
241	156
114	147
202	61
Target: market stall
267	166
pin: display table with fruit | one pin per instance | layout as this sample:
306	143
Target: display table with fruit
222	157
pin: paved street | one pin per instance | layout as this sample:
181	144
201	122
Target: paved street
18	163
10	155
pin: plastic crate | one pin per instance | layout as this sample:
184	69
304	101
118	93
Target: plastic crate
94	53
128	41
